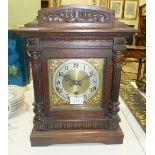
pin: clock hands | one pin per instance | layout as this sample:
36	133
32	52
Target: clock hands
76	82
85	78
73	82
67	78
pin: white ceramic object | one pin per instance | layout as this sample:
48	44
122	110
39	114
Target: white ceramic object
16	99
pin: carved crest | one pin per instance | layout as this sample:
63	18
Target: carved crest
75	14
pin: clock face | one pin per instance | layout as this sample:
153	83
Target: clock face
75	78
75	82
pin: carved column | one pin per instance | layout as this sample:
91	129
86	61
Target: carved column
114	102
37	80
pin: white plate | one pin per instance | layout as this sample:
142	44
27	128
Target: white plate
15	93
16	98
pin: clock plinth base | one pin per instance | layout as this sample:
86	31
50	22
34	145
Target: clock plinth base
106	136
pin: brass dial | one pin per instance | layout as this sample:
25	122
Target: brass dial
75	82
75	77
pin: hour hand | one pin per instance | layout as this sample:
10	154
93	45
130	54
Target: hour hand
67	78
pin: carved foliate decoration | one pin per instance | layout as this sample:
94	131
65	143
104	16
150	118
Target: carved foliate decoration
76	16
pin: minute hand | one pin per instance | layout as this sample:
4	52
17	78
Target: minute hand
87	77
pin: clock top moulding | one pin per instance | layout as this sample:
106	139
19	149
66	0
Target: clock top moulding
76	31
75	19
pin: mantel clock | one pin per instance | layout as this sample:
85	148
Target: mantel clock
75	52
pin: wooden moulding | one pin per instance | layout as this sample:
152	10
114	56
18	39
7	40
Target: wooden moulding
45	138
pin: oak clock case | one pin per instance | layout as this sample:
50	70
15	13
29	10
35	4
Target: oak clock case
76	56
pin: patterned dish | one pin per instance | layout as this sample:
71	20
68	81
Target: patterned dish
15	98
